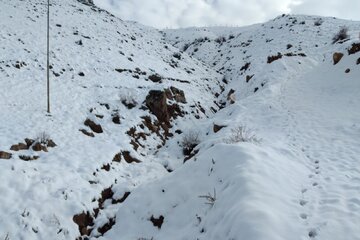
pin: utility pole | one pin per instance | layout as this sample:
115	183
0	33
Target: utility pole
48	57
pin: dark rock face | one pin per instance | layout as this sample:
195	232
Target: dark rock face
156	102
116	119
337	57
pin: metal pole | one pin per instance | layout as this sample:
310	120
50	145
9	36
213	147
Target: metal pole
48	60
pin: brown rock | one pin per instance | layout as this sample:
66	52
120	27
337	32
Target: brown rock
117	157
156	102
28	158
355	47
217	128
337	57
93	126
271	59
84	220
5	155
39	147
90	134
249	77
106	167
51	143
29	142
116	119
155	78
128	158
18	147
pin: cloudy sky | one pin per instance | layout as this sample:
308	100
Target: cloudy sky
185	13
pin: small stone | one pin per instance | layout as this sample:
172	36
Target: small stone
93	126
18	147
29	142
51	143
337	57
39	147
117	157
5	155
90	134
217	128
116	119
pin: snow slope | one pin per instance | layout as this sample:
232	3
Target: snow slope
298	179
39	198
302	180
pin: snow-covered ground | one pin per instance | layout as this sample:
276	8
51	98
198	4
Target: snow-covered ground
297	178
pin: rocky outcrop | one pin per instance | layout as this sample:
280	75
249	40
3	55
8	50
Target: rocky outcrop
156	102
175	94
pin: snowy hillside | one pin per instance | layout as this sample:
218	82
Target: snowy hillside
200	133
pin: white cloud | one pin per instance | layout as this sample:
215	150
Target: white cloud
346	9
185	13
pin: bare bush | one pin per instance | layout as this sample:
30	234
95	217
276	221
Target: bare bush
220	39
242	134
189	141
210	199
43	138
318	22
341	35
127	97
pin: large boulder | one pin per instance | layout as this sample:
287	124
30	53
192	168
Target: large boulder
156	102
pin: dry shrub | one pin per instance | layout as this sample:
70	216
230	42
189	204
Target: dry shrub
189	141
341	35
242	134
